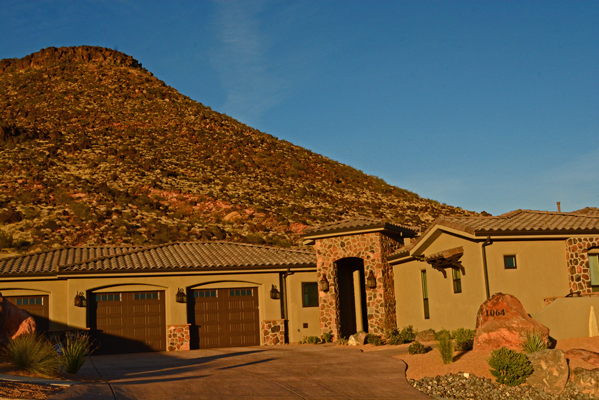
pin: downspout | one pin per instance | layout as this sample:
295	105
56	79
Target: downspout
284	296
486	272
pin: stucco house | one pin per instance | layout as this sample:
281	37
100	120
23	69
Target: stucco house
360	274
169	297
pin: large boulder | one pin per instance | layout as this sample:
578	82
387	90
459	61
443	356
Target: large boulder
585	355
502	321
357	339
425	336
14	321
586	380
551	371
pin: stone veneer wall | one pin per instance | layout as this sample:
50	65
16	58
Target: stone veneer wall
577	259
177	337
273	332
373	248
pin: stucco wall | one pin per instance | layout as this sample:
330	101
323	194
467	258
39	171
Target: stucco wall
568	317
448	310
299	315
541	272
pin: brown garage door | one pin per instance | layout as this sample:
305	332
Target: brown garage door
224	318
128	322
37	306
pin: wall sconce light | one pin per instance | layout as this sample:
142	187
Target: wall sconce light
181	297
80	300
371	281
274	293
323	285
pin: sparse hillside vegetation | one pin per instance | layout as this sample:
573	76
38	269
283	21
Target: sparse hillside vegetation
96	150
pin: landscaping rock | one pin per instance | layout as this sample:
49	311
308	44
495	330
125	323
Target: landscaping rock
586	380
585	355
502	321
551	371
425	336
14	321
357	339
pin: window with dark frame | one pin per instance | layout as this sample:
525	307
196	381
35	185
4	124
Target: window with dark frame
509	262
457	280
594	267
425	294
309	294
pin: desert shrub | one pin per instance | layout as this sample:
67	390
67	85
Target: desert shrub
310	340
509	367
374	339
6	240
341	341
33	353
445	346
406	335
464	339
416	348
442	332
75	350
533	341
327	337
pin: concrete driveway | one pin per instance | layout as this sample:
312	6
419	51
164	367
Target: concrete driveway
278	372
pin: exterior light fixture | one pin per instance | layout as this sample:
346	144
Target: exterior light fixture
80	300
181	297
323	285
371	281
274	293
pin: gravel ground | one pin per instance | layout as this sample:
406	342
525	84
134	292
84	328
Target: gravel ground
469	386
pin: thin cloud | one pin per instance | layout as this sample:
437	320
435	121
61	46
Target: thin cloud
242	61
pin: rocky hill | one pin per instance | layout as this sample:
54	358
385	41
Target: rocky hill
96	150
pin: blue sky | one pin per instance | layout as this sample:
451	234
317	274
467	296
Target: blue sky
483	105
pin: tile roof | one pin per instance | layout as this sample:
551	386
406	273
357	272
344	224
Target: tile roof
524	222
172	256
354	224
517	222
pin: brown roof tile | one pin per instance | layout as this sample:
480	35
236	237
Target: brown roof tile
348	225
163	257
518	222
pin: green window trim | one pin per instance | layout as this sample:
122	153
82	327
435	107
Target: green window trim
509	261
309	294
457	280
425	294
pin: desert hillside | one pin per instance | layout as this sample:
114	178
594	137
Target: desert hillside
96	150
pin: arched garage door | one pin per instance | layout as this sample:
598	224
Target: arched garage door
224	318
128	322
37	306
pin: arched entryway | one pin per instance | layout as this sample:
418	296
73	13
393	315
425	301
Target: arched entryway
353	314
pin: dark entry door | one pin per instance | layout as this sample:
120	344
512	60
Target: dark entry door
224	318
347	295
37	306
129	322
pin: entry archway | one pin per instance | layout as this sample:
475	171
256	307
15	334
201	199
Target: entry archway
353	312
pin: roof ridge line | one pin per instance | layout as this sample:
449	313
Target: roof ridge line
137	250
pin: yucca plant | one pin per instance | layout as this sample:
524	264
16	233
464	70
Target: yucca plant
445	347
533	341
34	353
76	349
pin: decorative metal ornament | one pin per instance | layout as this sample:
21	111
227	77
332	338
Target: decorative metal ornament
323	285
274	293
371	281
80	300
181	297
